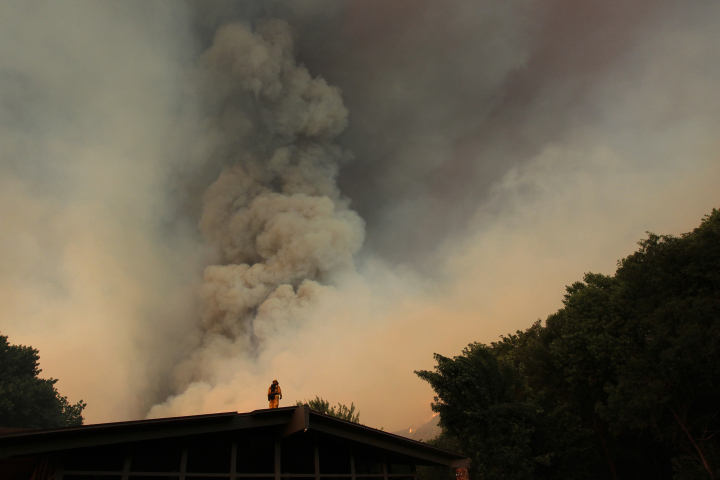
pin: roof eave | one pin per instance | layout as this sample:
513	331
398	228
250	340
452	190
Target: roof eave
294	419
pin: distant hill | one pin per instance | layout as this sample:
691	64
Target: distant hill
426	432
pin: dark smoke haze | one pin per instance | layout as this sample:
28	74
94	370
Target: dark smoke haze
199	197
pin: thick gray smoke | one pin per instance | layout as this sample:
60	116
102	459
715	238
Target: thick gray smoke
179	184
275	214
491	153
98	264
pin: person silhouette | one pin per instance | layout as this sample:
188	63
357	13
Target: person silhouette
274	394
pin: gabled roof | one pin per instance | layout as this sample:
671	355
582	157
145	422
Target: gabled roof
287	420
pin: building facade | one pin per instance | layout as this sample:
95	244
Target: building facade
292	443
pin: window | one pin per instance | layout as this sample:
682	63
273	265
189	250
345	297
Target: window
334	457
151	477
156	456
367	463
196	476
297	454
91	477
109	458
403	468
209	454
255	455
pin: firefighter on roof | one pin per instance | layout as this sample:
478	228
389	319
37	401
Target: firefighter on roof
274	394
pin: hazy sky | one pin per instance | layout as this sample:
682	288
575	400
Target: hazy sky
199	197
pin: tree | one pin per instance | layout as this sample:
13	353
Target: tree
624	379
638	353
27	401
669	381
489	411
341	411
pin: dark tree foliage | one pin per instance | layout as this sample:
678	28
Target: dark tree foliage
481	402
488	410
27	401
622	382
341	411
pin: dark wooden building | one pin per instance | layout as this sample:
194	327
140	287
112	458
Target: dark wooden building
292	443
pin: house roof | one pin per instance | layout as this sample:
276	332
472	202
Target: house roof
288	420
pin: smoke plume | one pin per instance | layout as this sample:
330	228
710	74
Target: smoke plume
198	198
275	215
98	262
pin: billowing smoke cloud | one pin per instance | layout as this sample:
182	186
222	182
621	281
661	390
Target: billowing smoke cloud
492	154
98	264
275	213
179	185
